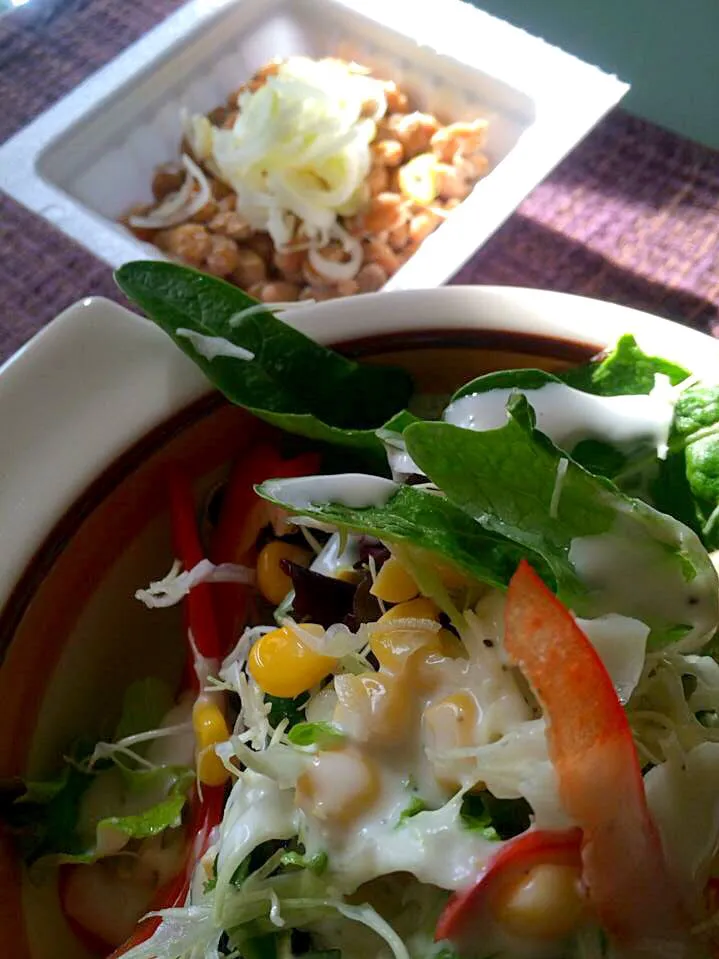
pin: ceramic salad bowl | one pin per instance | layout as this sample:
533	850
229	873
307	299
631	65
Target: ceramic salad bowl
97	405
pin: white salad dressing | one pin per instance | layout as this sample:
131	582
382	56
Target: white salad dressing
641	575
621	643
683	796
400	462
338	554
257	810
567	415
433	845
213	346
354	490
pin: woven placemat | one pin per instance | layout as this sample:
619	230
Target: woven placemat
631	216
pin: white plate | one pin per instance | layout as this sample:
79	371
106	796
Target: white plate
90	157
98	378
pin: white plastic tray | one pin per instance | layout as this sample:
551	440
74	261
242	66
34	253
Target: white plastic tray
89	158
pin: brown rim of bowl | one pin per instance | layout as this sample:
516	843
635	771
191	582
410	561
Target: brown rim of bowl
357	348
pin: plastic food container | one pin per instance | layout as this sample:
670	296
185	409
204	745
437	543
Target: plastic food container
91	157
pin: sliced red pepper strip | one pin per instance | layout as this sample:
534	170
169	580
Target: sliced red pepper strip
531	848
200	613
600	780
205	816
242	516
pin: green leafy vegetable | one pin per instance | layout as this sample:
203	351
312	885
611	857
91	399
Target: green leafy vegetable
423	520
43	816
510	481
144	705
495	818
290	381
316	863
172	782
627	370
414	806
520	380
475	816
608	378
315	734
690	476
293	710
81	816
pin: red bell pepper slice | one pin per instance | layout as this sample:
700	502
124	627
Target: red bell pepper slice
242	516
531	848
600	780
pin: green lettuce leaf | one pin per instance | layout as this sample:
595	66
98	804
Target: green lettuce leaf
324	735
81	816
144	705
509	480
291	381
42	816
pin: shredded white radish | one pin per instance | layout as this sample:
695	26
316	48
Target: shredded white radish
179	206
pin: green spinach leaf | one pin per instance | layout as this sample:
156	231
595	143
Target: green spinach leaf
513	481
690	475
520	380
293	710
289	380
626	370
422	520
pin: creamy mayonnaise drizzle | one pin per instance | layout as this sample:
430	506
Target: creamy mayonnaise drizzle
641	574
213	346
354	490
338	554
621	643
567	415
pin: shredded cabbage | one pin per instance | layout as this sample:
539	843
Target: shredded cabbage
173	587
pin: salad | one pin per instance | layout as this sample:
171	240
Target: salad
451	688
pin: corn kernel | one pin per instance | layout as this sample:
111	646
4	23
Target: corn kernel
393	648
546	903
420	608
393	583
283	665
338	787
210	728
272	581
451	724
372	707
